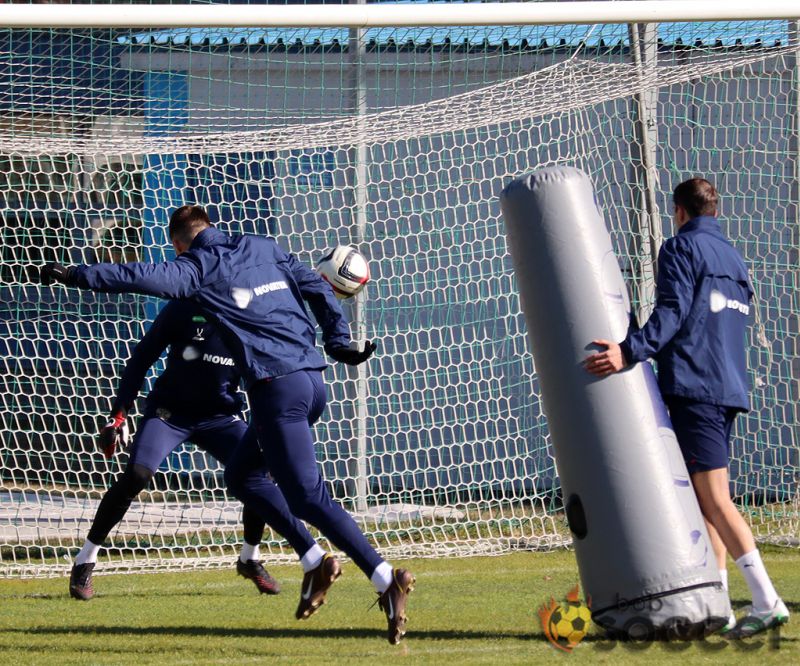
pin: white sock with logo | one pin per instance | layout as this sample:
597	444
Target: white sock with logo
382	577
755	574
723	574
249	552
312	558
87	554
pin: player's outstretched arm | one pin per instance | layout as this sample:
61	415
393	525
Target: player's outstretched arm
179	278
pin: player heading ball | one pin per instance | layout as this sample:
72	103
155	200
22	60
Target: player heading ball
272	340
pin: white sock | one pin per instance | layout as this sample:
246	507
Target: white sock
87	554
312	558
752	568
248	552
382	577
723	574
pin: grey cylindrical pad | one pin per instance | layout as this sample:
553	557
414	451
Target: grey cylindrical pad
642	547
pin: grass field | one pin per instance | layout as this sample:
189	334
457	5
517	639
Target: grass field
477	610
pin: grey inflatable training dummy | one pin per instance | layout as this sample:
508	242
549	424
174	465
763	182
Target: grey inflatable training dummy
644	554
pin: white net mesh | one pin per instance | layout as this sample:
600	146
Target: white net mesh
442	447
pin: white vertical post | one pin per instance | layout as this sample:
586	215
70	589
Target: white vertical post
644	51
794	147
360	171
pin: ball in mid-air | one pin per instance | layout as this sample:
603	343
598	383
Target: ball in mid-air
345	269
570	623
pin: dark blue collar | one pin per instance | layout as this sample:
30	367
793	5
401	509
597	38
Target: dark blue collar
703	223
208	236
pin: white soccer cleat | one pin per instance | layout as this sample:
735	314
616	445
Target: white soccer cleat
754	622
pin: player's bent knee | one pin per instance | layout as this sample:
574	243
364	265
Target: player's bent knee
306	512
138	477
233	482
310	506
236	483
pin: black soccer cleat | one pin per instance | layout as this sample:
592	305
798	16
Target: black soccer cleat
80	581
393	603
253	570
316	584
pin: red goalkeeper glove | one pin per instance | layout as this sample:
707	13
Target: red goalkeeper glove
113	434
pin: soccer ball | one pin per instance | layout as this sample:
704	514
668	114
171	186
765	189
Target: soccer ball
570	623
345	269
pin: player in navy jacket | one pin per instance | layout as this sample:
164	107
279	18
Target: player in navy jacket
696	334
194	399
257	294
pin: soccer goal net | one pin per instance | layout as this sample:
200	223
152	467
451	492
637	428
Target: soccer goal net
396	140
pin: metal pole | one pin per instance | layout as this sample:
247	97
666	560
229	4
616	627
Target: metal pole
360	171
644	50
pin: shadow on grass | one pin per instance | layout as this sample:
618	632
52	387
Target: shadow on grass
271	632
132	594
770	641
738	604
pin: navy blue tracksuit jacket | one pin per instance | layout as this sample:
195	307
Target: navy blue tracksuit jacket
199	379
697	330
255	291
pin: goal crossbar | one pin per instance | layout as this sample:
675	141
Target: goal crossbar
389	15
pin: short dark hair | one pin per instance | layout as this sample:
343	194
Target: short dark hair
696	196
186	222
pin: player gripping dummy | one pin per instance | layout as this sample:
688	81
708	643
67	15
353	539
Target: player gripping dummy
195	399
696	334
257	294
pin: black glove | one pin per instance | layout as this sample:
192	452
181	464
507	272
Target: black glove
55	272
351	356
113	434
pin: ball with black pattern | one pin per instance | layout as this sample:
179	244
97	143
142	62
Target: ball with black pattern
570	623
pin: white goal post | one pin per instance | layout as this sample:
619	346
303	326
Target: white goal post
390	15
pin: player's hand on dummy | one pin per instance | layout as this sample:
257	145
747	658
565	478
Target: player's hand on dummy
55	272
113	434
351	356
606	362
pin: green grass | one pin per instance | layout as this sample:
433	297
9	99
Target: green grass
477	610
